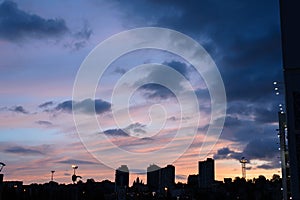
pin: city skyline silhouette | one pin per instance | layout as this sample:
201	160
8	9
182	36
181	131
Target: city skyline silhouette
101	84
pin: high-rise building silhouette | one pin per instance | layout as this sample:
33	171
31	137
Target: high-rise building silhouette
122	176
160	179
289	13
167	176
192	180
206	173
153	174
121	182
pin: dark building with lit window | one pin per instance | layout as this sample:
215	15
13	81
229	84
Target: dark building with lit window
160	178
167	176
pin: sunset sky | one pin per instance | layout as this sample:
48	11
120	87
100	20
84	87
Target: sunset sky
44	43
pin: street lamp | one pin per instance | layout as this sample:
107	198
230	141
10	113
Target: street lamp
166	191
74	168
74	176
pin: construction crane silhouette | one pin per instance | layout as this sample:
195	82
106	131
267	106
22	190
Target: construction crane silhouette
243	162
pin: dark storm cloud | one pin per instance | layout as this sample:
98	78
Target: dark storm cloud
87	106
157	91
261	149
135	129
19	109
202	94
120	70
79	45
270	165
85	33
116	133
46	104
243	130
248	120
22	150
100	105
204	100
243	38
153	90
65	106
76	162
239	130
254	62
263	115
261	112
204	17
180	67
81	37
226	153
16	24
232	121
245	48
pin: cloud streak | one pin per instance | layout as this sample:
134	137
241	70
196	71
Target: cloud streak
44	123
25	151
74	161
87	106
